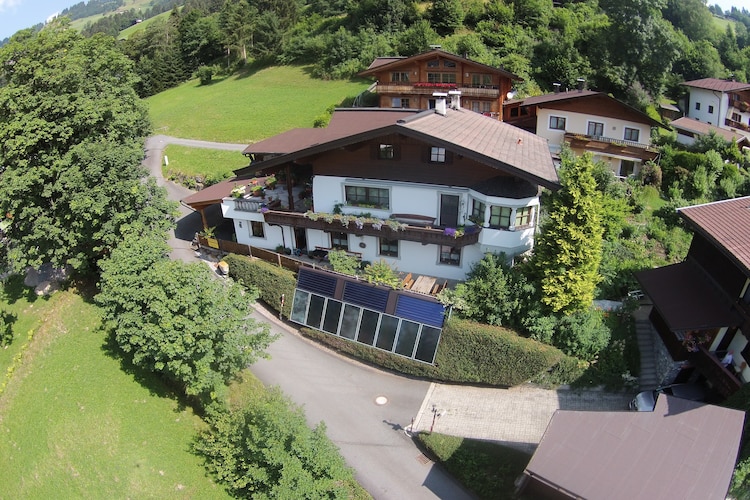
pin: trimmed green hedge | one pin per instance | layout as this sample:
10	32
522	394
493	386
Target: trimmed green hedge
272	281
468	352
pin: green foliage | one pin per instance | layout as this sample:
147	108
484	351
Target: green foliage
446	16
343	262
266	450
582	334
177	319
269	281
567	251
71	129
381	273
206	74
492	293
489	469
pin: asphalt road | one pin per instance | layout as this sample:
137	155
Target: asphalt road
365	410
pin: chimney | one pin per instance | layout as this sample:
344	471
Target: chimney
440	105
455	99
581	84
557	87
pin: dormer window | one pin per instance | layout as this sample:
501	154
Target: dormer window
449	64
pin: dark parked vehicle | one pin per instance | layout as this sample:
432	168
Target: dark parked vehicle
646	400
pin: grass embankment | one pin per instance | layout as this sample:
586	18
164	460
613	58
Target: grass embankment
187	163
74	424
249	106
489	469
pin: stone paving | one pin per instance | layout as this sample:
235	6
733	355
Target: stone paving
516	417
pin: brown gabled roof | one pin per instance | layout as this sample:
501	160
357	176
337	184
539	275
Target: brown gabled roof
685	298
465	132
683	449
565	98
210	195
717	84
698	127
380	61
396	62
344	122
725	223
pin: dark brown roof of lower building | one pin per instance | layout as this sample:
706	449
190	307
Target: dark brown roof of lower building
686	298
682	449
725	223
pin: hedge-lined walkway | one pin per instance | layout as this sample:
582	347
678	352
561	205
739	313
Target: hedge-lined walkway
516	417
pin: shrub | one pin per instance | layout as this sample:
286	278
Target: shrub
343	262
266	450
582	334
271	281
206	73
380	273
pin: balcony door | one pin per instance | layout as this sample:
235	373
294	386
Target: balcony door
449	210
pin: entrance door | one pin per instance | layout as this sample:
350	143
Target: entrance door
300	238
449	210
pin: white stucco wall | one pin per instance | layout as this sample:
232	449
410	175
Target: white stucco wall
706	98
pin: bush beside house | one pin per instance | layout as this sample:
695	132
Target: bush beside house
271	281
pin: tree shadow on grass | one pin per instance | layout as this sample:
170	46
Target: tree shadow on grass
156	385
249	70
15	290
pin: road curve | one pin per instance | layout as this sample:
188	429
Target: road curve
346	395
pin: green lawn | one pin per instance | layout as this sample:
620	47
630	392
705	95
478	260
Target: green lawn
74	424
249	106
209	163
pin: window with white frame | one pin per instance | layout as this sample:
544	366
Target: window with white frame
340	241
632	134
366	196
437	154
524	216
450	255
595	129
388	247
557	123
500	217
477	212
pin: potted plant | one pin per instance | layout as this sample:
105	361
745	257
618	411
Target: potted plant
238	191
271	181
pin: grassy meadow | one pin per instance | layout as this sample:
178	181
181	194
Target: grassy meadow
248	106
74	423
212	163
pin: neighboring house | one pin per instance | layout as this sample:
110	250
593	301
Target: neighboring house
723	103
612	131
409	82
430	193
701	306
689	128
683	449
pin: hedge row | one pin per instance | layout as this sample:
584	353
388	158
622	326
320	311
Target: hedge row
468	351
271	280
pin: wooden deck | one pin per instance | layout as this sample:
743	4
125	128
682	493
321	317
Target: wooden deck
423	284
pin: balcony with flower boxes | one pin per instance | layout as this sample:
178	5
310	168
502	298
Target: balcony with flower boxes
367	226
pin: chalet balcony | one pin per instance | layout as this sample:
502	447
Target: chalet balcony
396	230
743	106
723	380
427	88
609	145
737	125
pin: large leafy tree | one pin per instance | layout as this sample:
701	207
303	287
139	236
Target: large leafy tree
266	450
568	249
177	319
71	132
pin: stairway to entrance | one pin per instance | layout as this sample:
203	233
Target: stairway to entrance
646	336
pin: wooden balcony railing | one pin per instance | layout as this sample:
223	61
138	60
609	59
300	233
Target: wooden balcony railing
425	88
611	145
735	124
722	379
424	235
